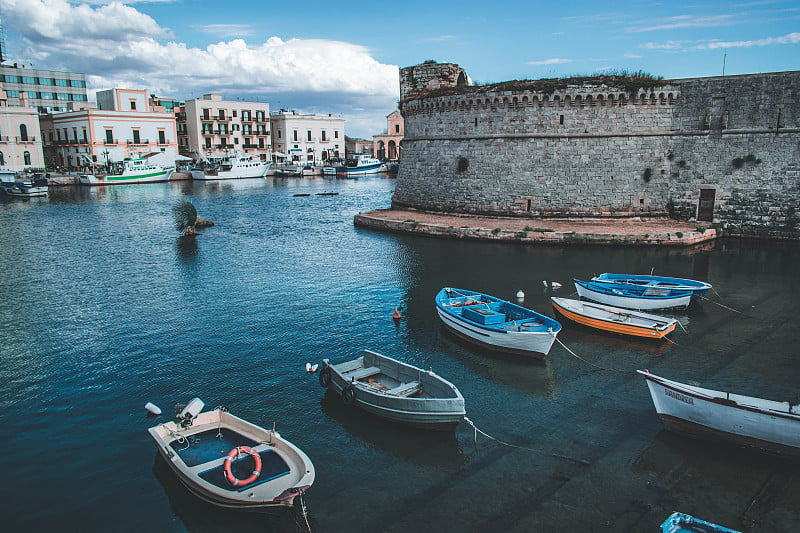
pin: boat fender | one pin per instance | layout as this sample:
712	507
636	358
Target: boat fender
349	394
234	454
325	376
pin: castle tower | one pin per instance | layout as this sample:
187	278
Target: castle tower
420	79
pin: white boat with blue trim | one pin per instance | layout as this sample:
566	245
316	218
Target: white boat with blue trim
36	187
236	166
697	288
742	420
230	462
632	296
496	324
395	390
362	164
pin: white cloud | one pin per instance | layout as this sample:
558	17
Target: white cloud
118	46
441	38
792	38
551	61
691	21
629	55
232	30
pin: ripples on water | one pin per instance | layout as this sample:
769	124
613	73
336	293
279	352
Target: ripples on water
103	307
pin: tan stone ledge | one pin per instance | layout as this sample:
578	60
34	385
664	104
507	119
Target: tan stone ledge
632	231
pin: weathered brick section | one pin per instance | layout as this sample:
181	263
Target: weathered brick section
601	151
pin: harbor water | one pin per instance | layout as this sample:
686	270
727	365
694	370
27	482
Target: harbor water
104	307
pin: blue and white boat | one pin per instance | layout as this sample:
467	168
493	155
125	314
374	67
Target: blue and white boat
697	288
632	296
496	324
24	189
361	165
684	523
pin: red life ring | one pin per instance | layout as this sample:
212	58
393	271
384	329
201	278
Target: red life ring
234	454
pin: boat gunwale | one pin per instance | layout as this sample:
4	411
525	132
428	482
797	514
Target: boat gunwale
664	324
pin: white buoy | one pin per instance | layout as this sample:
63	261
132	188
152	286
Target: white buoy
520	295
308	367
311	368
152	408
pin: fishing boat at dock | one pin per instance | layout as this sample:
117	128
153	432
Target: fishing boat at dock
232	463
496	324
614	319
235	166
395	390
631	296
742	420
697	288
362	164
35	187
139	170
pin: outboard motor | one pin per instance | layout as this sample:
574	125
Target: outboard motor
187	415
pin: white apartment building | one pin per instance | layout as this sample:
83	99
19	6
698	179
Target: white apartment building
122	127
20	137
211	127
307	139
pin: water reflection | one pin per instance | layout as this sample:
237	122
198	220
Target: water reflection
197	515
524	374
187	249
430	448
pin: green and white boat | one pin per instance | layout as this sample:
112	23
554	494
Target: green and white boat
138	170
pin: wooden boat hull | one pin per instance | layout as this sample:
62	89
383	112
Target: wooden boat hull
604	294
510	335
435	403
197	457
614	319
767	425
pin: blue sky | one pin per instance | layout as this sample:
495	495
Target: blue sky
342	58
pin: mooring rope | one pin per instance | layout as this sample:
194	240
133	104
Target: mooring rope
559	456
723	306
588	362
304	512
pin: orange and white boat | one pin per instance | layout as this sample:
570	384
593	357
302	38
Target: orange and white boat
614	319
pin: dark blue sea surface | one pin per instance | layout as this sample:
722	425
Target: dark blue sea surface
104	307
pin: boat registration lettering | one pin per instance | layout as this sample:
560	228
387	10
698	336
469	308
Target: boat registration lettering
678	396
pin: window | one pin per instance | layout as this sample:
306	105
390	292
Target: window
222	114
323	136
46	96
133	104
206	114
136	137
234	113
279	134
85	139
62	96
208	142
295	135
2	158
162	137
309	135
11	79
397	128
261	143
236	140
77	83
30	80
27	157
12	94
335	134
61	83
23	132
560	119
45	81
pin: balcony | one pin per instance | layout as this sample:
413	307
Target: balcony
113	141
28	140
3	138
140	142
250	145
164	142
222	119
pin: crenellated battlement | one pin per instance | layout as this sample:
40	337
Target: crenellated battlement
721	149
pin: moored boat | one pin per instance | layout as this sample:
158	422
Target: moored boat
395	390
743	420
36	187
236	166
230	462
139	170
363	164
633	296
697	288
496	324
684	523
614	319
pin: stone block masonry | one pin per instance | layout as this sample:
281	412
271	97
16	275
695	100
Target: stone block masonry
723	149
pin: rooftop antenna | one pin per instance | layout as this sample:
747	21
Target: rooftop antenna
724	57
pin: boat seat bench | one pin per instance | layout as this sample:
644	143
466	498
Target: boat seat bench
362	373
404	389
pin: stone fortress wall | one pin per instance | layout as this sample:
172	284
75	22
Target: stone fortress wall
721	149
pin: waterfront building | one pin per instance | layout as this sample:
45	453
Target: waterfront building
388	144
307	139
123	126
211	127
47	91
20	135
